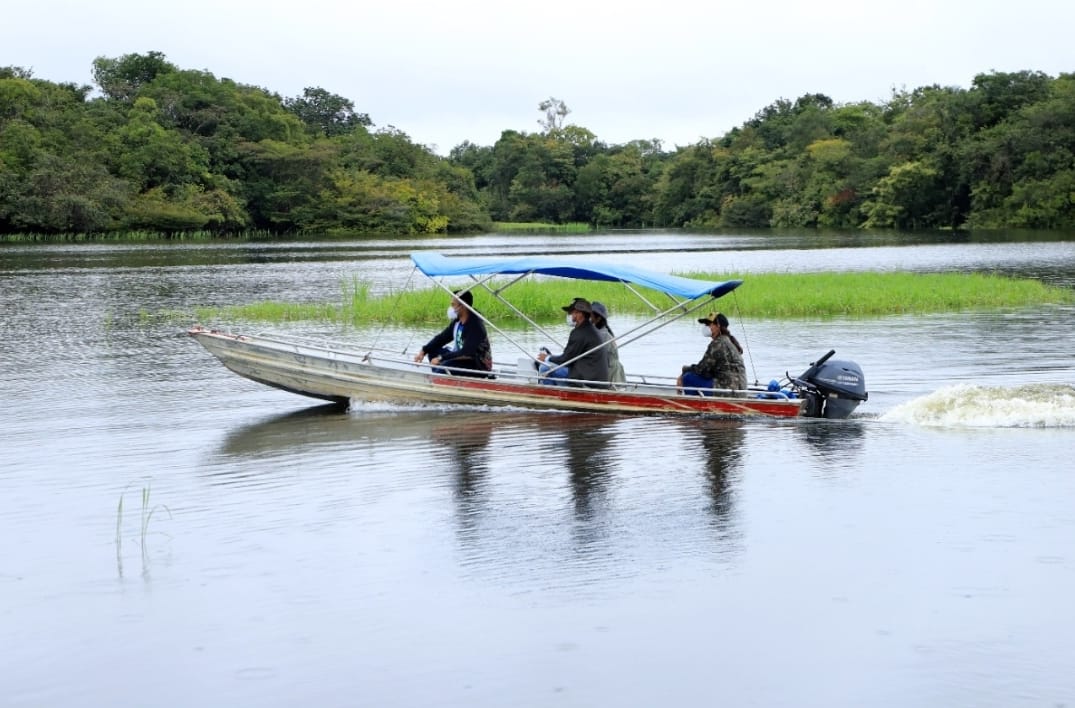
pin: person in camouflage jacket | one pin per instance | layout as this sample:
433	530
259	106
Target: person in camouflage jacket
721	365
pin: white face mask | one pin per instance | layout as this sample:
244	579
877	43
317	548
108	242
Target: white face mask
706	332
570	320
452	314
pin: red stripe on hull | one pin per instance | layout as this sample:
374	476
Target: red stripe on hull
612	400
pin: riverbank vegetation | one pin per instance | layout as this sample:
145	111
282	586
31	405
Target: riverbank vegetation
763	295
154	148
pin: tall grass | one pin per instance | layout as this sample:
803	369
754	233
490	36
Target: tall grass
513	227
868	294
768	295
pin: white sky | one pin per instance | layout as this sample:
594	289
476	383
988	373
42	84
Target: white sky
444	72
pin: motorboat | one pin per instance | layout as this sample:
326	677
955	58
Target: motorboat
345	374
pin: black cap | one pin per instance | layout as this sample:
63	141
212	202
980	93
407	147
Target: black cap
717	317
580	305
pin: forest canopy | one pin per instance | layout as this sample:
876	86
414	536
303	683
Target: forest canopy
154	147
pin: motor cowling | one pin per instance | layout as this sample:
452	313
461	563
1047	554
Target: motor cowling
832	388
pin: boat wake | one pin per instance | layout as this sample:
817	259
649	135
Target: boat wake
1024	406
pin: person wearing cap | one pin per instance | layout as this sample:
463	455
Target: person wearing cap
599	317
463	346
721	365
591	366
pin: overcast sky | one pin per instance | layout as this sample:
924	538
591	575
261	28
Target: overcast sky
445	72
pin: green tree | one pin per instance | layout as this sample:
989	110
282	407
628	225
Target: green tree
184	208
903	198
690	189
150	156
479	160
998	95
122	78
542	188
68	196
1021	168
326	113
928	128
283	181
508	155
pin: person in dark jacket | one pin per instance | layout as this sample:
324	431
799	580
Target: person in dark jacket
599	317
463	347
721	365
589	370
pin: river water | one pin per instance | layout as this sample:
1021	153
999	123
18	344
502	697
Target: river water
174	535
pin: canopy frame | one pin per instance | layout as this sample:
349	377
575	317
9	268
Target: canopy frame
688	295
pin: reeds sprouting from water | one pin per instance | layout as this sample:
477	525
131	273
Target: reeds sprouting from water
765	295
513	227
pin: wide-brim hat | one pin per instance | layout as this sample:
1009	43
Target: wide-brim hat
578	304
599	309
714	318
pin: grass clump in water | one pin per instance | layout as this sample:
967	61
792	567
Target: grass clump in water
277	311
869	294
766	295
514	227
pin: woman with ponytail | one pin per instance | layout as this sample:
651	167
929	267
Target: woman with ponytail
722	365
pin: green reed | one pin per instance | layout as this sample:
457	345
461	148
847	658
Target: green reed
515	227
148	510
869	294
768	295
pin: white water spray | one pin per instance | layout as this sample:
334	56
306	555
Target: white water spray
1023	406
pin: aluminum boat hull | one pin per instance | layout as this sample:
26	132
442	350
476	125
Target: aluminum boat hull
326	373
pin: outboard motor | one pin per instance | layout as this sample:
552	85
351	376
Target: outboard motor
832	389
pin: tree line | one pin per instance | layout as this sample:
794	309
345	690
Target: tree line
164	149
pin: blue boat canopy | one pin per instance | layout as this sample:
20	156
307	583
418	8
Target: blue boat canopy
437	265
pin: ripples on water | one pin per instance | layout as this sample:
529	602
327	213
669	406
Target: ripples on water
918	554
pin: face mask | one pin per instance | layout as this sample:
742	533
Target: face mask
452	314
570	320
706	332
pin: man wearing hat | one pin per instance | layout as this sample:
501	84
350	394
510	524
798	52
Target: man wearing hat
591	366
722	364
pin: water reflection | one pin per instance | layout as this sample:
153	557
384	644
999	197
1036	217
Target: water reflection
462	443
530	451
304	426
723	442
460	435
477	455
838	442
585	440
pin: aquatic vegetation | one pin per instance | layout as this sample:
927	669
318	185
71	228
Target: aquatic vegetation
866	294
148	511
514	227
768	295
278	311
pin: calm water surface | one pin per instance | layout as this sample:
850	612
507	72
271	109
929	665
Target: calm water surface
918	554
